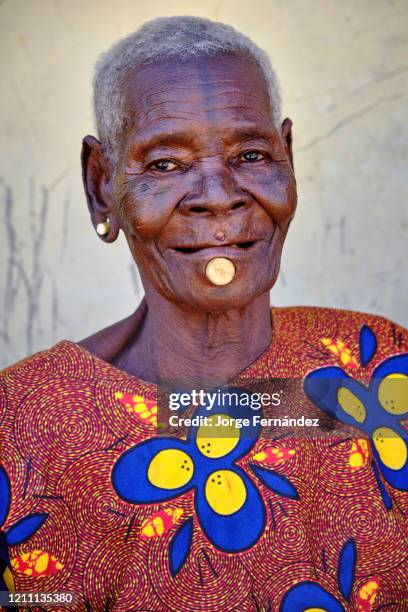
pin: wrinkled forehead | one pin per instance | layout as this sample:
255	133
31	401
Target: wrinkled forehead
202	92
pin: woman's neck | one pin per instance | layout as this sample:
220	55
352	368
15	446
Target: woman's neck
175	342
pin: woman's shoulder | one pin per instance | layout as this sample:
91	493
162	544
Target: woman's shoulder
319	316
323	329
65	359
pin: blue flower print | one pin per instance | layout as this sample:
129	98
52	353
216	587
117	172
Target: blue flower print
312	596
18	533
228	505
376	409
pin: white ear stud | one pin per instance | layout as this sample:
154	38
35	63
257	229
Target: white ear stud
103	228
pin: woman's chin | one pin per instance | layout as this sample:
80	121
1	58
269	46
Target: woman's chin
213	280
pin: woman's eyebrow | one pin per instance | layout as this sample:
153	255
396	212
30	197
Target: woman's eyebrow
166	139
242	134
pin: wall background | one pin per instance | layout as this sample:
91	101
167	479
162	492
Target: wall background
344	74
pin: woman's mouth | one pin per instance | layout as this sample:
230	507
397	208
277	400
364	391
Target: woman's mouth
195	249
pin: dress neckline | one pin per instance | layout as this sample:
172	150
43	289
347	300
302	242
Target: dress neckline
139	382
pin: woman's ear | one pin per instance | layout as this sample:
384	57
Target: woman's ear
286	131
97	181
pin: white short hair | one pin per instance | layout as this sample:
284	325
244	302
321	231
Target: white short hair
178	37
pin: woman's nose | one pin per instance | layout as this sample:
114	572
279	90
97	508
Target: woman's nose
215	193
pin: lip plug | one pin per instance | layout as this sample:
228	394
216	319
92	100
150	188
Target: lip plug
220	271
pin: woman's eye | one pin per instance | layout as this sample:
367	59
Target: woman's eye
163	165
252	156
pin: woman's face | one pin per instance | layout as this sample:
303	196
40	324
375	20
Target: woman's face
202	160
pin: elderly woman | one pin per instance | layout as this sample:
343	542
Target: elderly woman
194	165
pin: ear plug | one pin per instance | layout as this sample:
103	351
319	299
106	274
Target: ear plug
220	271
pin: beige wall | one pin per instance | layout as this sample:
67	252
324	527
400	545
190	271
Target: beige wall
343	69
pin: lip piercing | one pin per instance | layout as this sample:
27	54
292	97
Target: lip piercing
220	271
103	228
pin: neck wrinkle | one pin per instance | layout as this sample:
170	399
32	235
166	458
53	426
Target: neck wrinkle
172	342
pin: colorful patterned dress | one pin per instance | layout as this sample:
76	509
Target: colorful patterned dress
93	501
